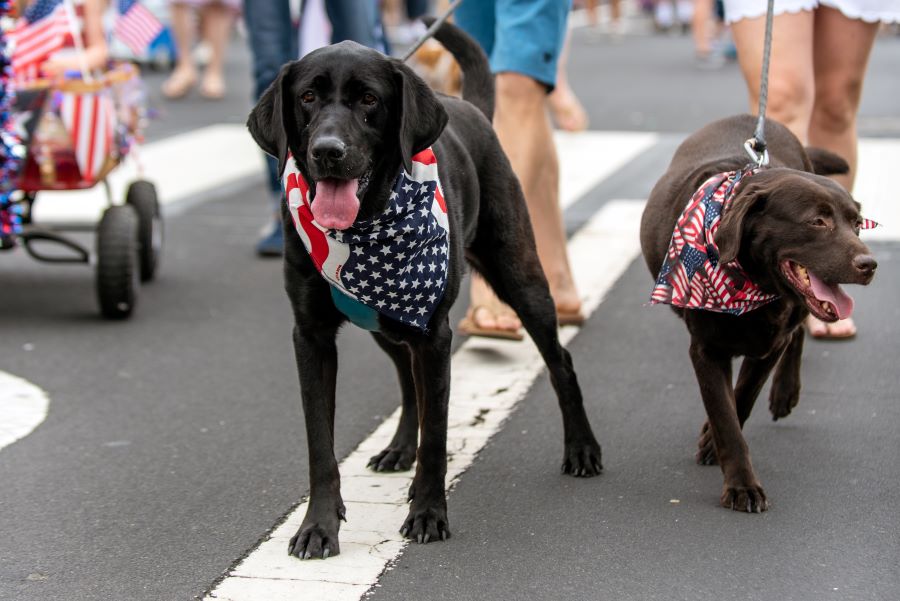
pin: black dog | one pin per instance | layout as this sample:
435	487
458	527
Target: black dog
351	120
795	234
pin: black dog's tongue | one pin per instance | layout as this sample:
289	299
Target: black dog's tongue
832	293
335	205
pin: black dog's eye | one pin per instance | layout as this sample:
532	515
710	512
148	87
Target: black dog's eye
818	222
307	97
369	99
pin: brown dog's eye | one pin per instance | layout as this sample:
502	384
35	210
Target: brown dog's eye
369	99
307	97
818	222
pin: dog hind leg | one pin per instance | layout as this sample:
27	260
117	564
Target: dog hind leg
518	280
401	452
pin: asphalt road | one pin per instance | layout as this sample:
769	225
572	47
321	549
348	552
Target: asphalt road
175	440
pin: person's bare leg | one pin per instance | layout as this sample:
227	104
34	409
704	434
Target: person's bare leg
567	110
700	26
524	130
185	74
791	75
523	127
842	48
217	20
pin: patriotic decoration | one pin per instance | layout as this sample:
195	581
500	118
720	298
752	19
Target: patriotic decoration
90	120
11	149
44	29
136	26
868	224
691	275
395	263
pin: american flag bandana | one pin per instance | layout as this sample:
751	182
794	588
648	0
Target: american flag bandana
395	263
691	275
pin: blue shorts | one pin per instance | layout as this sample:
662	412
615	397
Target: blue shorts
523	36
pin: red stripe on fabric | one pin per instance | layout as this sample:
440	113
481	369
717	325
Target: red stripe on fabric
317	241
76	130
426	157
440	199
92	137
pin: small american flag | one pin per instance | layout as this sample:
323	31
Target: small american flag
90	121
395	263
44	29
691	275
136	26
868	224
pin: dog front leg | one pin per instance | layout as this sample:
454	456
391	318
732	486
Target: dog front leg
742	490
427	519
785	391
317	366
751	379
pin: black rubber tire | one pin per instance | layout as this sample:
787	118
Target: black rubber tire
117	262
142	196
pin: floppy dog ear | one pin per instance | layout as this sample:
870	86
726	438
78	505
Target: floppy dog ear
270	120
422	117
731	227
825	162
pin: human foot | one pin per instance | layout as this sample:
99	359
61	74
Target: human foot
491	322
838	330
213	86
179	83
567	110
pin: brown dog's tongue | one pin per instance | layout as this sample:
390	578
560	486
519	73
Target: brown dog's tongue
833	294
335	205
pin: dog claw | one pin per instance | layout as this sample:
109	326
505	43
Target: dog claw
443	535
404	530
426	539
326	553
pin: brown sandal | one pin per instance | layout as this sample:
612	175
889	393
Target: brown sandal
178	85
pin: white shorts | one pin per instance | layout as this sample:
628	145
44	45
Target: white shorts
870	11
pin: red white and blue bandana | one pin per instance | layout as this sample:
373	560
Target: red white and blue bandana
395	263
691	275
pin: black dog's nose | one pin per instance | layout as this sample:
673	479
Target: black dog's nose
865	263
328	148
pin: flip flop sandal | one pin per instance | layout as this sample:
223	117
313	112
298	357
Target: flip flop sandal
570	318
174	89
469	327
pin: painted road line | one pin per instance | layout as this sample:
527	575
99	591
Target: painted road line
208	159
588	157
23	406
874	188
488	379
193	164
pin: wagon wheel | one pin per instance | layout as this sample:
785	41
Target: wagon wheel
117	262
142	196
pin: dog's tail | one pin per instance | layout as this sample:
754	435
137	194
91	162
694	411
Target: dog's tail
477	81
825	162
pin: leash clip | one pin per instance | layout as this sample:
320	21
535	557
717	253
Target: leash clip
760	158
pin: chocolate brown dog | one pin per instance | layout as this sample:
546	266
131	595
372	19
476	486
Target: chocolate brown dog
795	234
350	126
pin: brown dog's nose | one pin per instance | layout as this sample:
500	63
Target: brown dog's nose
328	148
866	264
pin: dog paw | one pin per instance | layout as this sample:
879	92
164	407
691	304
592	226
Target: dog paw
317	538
393	459
782	403
751	499
582	460
426	524
706	448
